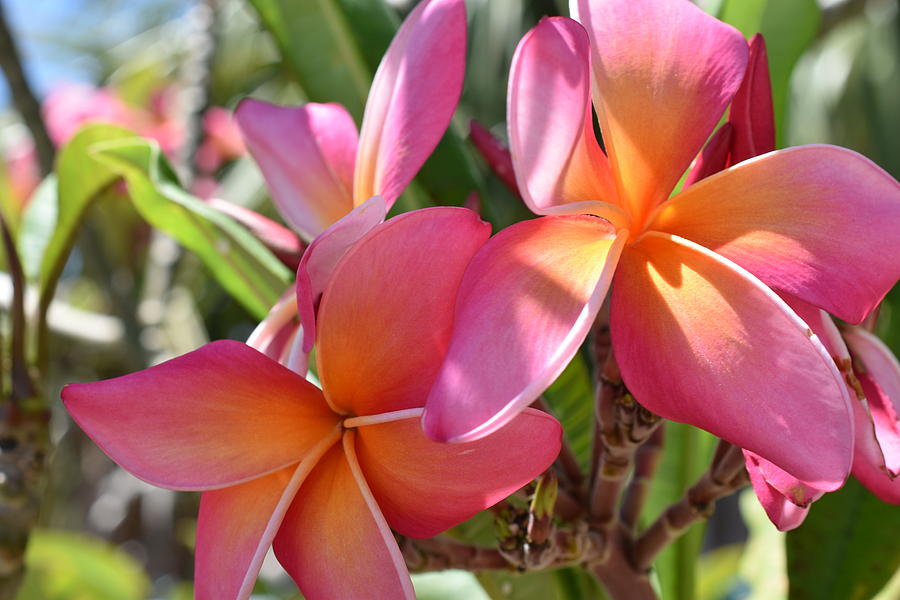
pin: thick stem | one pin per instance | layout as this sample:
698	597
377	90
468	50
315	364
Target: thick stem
620	579
623	426
23	97
646	461
438	554
725	475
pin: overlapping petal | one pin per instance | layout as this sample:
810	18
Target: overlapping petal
425	487
386	316
752	115
203	420
237	524
782	511
525	305
700	340
412	99
818	222
307	155
664	71
556	157
334	541
323	255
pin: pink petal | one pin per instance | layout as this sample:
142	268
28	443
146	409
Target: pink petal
700	340
714	156
412	99
879	375
664	71
386	316
783	513
237	524
551	133
494	154
752	114
870	458
323	255
334	541
525	306
202	420
283	242
425	487
307	155
818	222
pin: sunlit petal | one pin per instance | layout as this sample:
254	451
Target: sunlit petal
412	99
700	340
525	306
386	316
334	541
307	155
424	487
819	222
203	420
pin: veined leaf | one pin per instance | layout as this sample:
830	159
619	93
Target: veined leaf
240	262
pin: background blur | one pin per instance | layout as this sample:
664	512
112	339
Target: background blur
173	70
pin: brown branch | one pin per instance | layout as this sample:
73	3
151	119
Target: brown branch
623	426
22	385
645	462
725	475
620	579
438	554
23	97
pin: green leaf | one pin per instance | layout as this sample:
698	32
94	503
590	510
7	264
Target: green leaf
789	29
240	262
72	566
448	585
321	47
560	584
763	563
571	398
847	549
686	455
38	226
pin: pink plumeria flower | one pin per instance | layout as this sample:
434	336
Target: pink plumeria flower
698	333
324	475
333	185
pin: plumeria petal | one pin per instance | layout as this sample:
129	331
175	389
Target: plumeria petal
323	255
752	114
385	319
714	156
202	420
658	93
556	156
334	540
494	154
425	487
819	222
870	459
276	335
879	375
412	99
783	513
700	340
524	308
237	524
283	242
307	155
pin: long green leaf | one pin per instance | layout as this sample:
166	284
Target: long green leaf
240	262
847	549
571	398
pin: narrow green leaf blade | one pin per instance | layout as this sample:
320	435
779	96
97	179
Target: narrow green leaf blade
240	262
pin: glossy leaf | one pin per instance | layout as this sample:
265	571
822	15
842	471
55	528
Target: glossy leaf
846	549
240	262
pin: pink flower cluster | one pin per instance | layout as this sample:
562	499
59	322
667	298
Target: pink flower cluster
430	331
